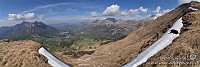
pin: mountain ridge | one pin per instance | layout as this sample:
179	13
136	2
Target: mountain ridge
26	30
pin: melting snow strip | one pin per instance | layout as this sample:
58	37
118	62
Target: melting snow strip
160	44
193	8
53	61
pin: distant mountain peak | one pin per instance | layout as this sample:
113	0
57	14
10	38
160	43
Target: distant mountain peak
111	19
27	29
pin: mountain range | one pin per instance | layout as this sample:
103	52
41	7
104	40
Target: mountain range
26	30
109	28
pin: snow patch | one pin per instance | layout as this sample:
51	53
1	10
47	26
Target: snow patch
160	44
193	8
53	61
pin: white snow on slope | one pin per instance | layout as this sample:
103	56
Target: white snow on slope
53	61
160	44
193	8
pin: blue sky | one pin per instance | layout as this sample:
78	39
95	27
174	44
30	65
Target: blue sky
60	11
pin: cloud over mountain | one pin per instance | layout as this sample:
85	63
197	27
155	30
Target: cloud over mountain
13	17
41	17
94	14
157	9
144	10
111	10
134	11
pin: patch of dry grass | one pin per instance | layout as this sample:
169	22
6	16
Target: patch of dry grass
21	54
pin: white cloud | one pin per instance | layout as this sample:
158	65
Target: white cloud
134	11
29	15
166	11
2	20
88	19
157	9
111	10
41	17
160	13
82	5
94	14
13	17
144	10
70	9
124	13
46	6
186	1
